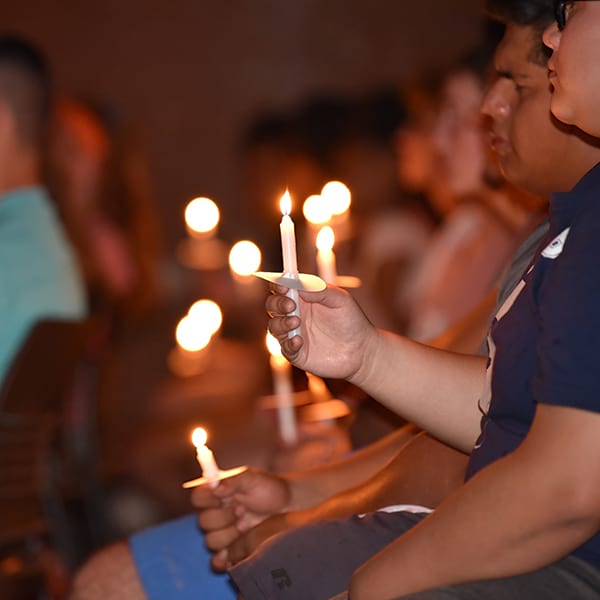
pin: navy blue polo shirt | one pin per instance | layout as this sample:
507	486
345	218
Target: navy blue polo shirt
547	346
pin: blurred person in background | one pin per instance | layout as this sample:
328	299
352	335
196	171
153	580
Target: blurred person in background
105	198
39	278
485	218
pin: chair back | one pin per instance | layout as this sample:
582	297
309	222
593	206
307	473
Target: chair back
40	375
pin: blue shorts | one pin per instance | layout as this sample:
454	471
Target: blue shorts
174	564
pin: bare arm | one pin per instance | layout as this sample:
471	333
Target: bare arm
424	472
521	513
435	389
313	486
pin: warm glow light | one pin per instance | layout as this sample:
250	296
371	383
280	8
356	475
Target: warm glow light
316	210
199	437
285	204
208	314
191	334
337	197
325	239
244	258
202	215
273	345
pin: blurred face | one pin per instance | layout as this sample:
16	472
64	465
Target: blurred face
458	136
532	147
574	66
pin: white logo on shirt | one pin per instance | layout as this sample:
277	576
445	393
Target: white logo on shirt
555	247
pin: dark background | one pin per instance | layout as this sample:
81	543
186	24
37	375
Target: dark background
189	75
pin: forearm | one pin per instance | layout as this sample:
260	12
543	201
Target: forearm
506	521
424	472
435	389
313	486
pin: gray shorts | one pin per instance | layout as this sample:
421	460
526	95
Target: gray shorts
317	561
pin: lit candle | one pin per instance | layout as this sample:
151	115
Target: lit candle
288	248
284	392
325	256
317	388
202	217
204	455
244	258
338	198
288	237
208	316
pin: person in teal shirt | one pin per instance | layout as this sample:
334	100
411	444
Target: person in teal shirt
39	278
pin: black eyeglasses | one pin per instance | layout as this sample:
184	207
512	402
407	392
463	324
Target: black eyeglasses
560	12
560	9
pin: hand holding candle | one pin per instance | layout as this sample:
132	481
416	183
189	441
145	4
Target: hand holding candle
288	248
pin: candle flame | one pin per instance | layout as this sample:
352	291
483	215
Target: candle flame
273	345
316	210
244	258
199	437
208	315
338	197
325	239
285	203
202	215
191	335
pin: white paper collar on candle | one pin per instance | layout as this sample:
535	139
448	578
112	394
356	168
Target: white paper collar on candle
304	283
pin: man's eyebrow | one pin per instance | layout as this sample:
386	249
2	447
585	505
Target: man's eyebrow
504	73
509	74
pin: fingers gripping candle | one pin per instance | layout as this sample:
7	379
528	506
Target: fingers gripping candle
288	248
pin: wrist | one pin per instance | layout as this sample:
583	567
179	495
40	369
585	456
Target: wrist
370	350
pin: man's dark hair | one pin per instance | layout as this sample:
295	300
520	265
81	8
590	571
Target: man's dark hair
537	14
25	87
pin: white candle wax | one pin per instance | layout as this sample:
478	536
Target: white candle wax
326	262
288	246
284	393
288	249
326	266
205	457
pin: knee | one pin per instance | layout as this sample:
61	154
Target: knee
110	574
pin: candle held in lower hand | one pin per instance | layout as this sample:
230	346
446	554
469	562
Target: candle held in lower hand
204	455
284	393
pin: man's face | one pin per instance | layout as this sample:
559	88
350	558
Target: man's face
457	135
574	72
530	144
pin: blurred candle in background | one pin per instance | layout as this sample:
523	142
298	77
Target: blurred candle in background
244	259
208	314
284	392
338	198
194	334
325	256
202	217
